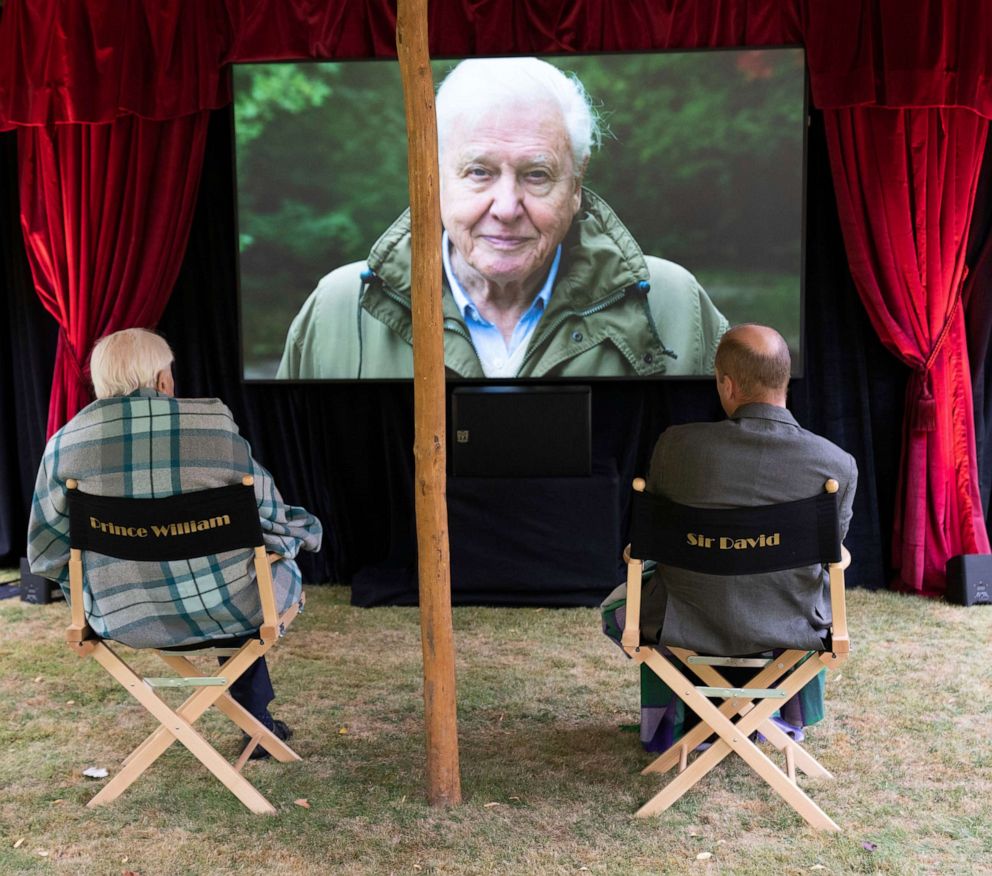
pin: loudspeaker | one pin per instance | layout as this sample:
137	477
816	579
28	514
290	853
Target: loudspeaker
969	579
521	431
36	589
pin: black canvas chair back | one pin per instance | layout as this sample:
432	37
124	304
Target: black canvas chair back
179	527
751	541
735	541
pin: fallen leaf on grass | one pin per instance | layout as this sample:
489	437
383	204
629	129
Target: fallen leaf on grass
70	702
19	843
302	802
342	730
95	772
869	845
489	805
39	679
704	856
42	852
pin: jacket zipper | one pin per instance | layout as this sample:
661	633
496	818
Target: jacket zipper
589	311
448	324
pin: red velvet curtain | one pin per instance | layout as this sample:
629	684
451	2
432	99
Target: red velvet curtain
905	182
909	175
106	211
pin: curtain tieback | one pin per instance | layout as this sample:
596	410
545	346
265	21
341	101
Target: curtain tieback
925	407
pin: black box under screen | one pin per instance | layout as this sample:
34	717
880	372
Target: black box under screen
520	431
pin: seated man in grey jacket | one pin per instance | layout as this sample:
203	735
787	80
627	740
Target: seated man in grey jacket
759	455
138	440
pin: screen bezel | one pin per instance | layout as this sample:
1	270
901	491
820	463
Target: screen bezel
798	360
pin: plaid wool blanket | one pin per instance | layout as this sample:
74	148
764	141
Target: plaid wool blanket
148	445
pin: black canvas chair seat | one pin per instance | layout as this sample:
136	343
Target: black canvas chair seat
186	526
751	541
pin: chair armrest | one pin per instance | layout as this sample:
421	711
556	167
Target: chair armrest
838	602
266	594
631	637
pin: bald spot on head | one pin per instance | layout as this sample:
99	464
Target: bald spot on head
757	358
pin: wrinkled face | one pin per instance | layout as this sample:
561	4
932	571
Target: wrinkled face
509	191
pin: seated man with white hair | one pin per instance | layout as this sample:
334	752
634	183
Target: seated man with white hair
137	440
540	279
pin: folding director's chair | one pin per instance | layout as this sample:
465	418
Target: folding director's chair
141	531
809	535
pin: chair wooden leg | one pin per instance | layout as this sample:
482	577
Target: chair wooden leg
732	738
765	678
176	725
238	714
774	734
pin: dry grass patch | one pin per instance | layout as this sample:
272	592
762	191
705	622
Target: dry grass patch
549	777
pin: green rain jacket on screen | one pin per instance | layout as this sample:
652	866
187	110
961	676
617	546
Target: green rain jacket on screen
614	312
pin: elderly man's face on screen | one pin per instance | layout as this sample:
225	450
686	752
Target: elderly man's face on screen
509	191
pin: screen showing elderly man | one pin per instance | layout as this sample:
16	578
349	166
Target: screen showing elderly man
541	277
559	261
138	440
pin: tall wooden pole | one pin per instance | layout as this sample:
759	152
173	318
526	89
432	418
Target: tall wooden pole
437	640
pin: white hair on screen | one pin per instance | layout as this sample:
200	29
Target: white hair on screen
478	84
128	360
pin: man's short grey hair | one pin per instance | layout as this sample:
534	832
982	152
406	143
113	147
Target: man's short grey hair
128	360
476	85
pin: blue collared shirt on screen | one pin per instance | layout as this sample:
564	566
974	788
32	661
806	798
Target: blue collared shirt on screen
498	358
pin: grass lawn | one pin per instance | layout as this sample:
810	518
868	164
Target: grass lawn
549	772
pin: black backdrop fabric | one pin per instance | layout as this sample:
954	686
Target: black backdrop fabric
978	323
345	450
27	355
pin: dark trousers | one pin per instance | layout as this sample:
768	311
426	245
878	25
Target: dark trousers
253	691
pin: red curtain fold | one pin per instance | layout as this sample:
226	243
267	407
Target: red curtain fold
899	53
905	182
94	60
106	211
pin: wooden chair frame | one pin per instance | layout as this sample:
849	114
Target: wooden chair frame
741	712
177	724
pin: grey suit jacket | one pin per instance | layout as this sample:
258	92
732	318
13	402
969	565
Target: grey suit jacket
759	456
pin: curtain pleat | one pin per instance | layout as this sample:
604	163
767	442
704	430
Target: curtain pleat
105	212
111	100
905	182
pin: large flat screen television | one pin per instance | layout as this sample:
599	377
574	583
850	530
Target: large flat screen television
602	224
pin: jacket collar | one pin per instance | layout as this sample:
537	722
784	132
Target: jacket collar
762	411
602	278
